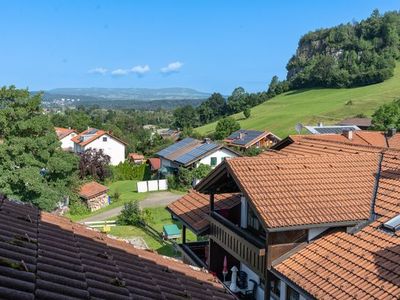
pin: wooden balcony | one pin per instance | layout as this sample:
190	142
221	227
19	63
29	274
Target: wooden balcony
238	242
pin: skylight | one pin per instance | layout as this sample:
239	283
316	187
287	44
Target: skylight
393	224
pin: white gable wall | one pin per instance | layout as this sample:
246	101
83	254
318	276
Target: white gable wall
111	147
220	154
67	143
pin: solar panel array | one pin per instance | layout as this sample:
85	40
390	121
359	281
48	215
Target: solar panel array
331	129
248	136
171	149
196	153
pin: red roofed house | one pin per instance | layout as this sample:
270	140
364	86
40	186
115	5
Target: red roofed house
65	136
136	158
94	194
93	138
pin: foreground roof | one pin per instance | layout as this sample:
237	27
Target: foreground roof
364	265
63	132
288	191
92	189
193	208
188	150
44	256
92	134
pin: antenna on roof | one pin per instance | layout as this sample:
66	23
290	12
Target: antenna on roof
298	127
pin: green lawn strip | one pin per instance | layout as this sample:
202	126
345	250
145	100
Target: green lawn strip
308	106
128	192
160	217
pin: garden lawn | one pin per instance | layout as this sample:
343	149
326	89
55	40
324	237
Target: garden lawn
127	190
310	106
160	217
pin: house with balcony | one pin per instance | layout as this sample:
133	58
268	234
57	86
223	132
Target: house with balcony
309	197
93	138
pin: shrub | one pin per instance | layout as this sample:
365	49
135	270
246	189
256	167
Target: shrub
131	214
116	195
247	113
129	171
78	207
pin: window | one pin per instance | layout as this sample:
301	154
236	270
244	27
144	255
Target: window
275	285
213	161
104	139
291	294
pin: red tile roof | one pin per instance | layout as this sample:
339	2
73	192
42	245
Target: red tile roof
92	189
193	207
364	265
63	132
135	156
43	256
288	191
92	137
155	163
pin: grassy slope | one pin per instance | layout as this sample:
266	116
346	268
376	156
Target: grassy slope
281	113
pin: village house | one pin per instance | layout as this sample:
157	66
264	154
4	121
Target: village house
65	136
190	153
44	256
94	195
245	139
136	158
93	138
303	208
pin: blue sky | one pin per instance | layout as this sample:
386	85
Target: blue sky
206	45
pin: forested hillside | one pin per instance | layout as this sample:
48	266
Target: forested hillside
309	106
348	55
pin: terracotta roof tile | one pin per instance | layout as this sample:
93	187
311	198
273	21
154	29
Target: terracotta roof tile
43	256
155	163
289	191
92	189
135	156
365	264
63	132
194	206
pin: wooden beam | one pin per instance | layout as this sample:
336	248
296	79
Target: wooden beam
183	234
211	203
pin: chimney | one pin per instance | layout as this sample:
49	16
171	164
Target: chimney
348	134
241	135
207	140
391	132
320	124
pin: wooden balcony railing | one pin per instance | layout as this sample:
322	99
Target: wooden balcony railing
239	243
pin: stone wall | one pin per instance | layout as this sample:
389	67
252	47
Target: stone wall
97	202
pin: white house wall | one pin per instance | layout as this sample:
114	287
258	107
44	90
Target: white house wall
112	147
67	143
256	278
220	154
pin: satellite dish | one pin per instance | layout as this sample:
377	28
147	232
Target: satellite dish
298	127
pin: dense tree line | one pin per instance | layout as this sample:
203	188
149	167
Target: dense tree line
347	55
33	168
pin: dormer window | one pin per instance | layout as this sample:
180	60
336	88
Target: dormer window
104	139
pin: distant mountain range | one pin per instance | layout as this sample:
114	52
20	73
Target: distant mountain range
138	94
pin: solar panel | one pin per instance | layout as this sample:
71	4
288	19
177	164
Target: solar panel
92	131
196	153
333	129
171	149
247	136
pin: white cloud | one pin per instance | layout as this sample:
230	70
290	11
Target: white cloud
172	67
99	70
120	72
140	70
